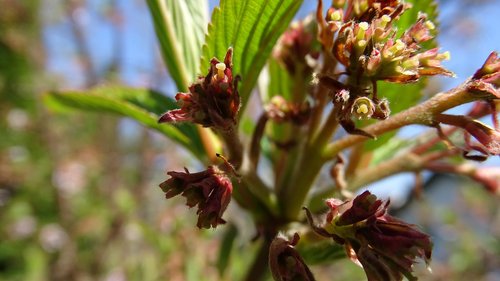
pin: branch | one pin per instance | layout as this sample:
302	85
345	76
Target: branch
422	114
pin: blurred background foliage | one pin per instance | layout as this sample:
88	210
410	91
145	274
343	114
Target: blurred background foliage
78	191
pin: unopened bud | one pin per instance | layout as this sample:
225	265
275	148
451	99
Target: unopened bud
220	70
336	16
363	108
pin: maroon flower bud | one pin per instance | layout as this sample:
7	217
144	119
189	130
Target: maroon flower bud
382	109
488	137
430	63
285	262
490	71
212	101
419	32
363	108
384	246
281	110
210	190
295	48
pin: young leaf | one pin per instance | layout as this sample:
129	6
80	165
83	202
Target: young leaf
251	27
320	253
226	249
280	81
180	28
142	105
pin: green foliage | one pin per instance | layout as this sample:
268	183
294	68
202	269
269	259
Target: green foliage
320	253
180	27
226	249
280	81
142	105
251	27
409	17
401	97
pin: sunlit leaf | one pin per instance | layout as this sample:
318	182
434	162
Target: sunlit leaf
280	81
180	28
142	105
323	252
251	27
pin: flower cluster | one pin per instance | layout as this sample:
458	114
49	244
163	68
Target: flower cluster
384	246
213	101
362	38
210	190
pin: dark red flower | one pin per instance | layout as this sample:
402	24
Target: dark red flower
384	246
490	71
285	262
488	138
210	190
212	101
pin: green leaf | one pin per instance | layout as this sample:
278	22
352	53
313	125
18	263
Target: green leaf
320	253
180	28
280	81
142	105
388	150
251	27
401	97
226	249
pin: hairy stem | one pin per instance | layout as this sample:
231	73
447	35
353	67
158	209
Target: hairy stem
258	132
234	146
355	157
405	162
260	269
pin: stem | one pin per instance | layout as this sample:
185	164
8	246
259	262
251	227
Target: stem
406	162
329	127
234	146
303	178
357	153
209	142
256	138
308	168
420	114
260	190
321	97
260	267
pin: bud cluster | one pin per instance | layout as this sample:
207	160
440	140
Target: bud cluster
363	38
212	101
